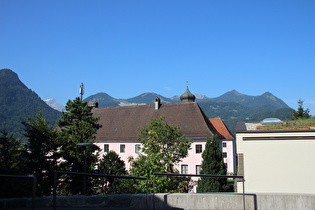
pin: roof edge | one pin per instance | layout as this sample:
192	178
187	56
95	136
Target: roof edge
276	131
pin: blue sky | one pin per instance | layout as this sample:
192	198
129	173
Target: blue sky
127	47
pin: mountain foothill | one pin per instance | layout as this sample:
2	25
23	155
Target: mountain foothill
18	101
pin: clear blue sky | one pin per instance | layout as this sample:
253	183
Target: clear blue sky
128	47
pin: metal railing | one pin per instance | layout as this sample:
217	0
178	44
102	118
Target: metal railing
94	175
199	175
25	177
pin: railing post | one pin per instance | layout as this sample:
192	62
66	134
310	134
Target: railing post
153	192
55	191
34	185
147	195
244	203
34	193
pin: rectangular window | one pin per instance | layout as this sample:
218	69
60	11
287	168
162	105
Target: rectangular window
224	154
106	148
137	148
198	168
224	144
184	169
198	148
122	148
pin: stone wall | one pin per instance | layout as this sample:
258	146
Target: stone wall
173	201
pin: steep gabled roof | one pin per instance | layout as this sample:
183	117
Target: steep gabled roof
221	128
121	123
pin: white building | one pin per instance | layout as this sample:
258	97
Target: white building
275	161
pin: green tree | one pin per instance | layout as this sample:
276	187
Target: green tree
11	163
10	154
41	152
301	112
77	125
111	164
163	146
212	163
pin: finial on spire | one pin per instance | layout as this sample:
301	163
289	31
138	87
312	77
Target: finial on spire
186	83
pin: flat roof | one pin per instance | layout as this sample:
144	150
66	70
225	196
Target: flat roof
243	127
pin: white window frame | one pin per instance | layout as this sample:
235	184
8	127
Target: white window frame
182	167
120	148
198	170
104	148
137	148
196	149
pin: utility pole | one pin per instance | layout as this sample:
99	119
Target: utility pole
84	145
81	90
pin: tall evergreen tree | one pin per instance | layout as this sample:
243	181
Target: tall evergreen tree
301	113
213	164
77	126
10	154
41	152
11	163
111	164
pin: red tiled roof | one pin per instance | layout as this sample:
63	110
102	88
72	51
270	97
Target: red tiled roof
221	128
122	123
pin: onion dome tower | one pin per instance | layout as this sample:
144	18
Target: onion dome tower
187	96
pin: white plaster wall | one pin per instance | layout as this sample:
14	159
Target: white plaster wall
230	159
115	146
277	166
192	160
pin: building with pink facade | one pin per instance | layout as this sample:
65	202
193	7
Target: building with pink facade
120	125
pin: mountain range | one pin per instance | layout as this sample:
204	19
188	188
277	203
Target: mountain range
18	101
231	106
265	99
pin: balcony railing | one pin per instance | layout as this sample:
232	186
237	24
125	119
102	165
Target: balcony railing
25	177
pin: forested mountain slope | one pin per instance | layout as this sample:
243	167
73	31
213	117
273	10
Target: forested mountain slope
17	102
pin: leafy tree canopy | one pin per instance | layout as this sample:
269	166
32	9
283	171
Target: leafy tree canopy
158	137
163	146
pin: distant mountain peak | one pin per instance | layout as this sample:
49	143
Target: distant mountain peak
267	94
235	92
199	96
11	79
53	104
231	96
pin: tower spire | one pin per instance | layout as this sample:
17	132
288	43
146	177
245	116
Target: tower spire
187	96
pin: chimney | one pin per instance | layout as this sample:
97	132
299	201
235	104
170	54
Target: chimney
157	103
93	104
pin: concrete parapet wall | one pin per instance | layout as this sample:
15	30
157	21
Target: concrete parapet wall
177	201
285	201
